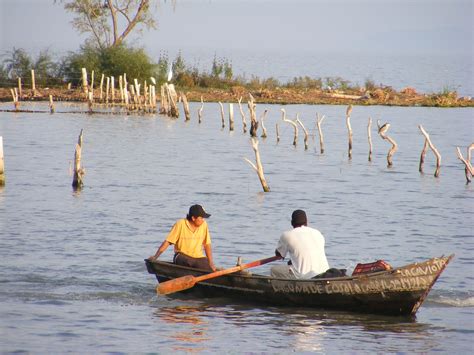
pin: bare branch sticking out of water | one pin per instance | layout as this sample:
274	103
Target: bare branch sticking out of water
79	172
319	122
16	102
349	130
231	116
200	111
258	166
51	104
382	132
187	113
433	148
222	114
305	132
253	116
262	118
469	170
295	126
244	122
422	156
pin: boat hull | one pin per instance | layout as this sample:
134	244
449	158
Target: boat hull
400	291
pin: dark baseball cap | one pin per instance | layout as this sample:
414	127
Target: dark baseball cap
198	211
298	218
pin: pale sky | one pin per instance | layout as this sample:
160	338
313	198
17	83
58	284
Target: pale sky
388	26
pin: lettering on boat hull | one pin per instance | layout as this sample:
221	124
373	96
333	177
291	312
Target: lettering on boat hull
416	277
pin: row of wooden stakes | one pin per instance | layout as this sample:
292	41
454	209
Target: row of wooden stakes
382	130
132	99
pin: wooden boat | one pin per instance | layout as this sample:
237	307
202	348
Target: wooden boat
399	291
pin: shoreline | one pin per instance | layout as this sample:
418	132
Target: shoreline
282	96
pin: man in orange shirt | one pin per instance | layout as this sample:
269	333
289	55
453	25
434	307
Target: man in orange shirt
189	236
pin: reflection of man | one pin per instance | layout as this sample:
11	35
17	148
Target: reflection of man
306	248
189	236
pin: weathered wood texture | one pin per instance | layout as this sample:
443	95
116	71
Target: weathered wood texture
434	150
258	166
79	172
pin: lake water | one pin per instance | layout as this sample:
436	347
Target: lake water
73	279
432	73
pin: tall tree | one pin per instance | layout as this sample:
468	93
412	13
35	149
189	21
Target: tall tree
109	22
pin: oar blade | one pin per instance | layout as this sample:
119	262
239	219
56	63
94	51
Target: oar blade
175	285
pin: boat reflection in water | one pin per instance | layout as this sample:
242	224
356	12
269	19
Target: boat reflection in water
186	338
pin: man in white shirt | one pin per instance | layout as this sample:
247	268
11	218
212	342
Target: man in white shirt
305	247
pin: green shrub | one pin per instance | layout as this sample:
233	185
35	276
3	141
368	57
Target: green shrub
113	61
18	64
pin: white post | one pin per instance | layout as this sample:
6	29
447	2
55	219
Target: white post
33	86
112	87
85	86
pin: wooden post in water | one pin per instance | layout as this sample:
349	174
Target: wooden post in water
2	164
382	132
51	104
79	172
319	122
85	85
305	132
153	97
422	156
145	95
101	87
253	116
134	106
92	81
200	110
107	89
258	166
262	118
468	169
349	130
16	103
163	101
277	132
231	117
112	88
137	94
19	87
187	114
433	148
33	84
173	98
121	89
126	97
90	101
222	114
244	122
369	136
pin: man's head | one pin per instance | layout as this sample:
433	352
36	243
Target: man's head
197	211
298	218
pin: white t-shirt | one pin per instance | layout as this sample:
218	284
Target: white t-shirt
306	248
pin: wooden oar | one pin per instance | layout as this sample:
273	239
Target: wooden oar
185	282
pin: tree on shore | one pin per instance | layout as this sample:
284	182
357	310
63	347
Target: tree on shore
18	64
109	22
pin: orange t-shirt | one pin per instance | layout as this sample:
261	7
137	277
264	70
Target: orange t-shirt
188	242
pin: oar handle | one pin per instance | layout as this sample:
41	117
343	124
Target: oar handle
236	268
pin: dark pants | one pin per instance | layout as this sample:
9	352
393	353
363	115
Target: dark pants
197	263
